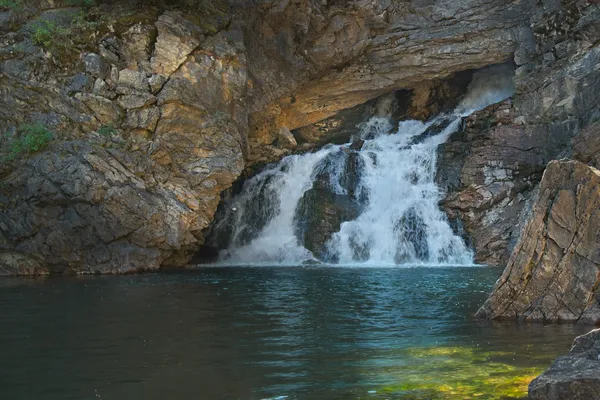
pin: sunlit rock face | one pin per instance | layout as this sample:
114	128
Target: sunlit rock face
574	376
552	274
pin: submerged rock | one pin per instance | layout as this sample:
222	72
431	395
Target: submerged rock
575	376
554	270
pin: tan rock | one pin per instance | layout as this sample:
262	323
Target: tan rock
105	110
177	38
145	118
285	139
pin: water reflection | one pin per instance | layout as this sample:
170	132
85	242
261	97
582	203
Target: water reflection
253	333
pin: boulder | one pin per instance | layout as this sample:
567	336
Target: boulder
575	376
323	208
553	273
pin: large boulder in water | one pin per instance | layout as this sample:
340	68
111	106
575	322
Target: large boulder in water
553	273
575	376
323	208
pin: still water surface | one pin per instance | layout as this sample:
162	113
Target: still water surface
256	333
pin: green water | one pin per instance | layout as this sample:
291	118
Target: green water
257	333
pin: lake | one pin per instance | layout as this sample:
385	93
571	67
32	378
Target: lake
267	333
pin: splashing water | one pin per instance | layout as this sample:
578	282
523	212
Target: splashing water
399	222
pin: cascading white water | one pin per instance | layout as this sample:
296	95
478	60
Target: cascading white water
399	221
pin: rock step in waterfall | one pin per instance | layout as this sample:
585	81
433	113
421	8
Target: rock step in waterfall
373	205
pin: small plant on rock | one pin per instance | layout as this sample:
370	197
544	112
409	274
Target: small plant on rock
14	5
30	138
45	33
107	130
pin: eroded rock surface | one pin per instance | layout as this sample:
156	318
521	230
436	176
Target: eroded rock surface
331	56
575	376
554	271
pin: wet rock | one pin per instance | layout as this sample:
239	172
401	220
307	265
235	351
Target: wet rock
575	376
357	145
323	208
553	272
489	172
320	214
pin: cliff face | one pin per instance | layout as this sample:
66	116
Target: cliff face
553	273
155	109
491	170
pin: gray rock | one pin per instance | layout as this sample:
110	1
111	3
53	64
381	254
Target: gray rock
96	66
105	110
79	83
575	376
134	80
489	171
83	209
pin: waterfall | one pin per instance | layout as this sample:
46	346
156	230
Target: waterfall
377	205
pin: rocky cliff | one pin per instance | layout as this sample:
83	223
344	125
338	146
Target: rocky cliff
125	121
492	168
